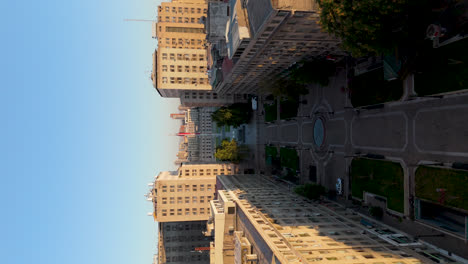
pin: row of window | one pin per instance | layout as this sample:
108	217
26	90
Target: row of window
201	172
180	200
182	41
180	68
201	95
179	227
179	19
195	187
186	211
184	57
185	10
186	80
190	259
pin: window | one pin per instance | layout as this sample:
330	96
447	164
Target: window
187	199
179	188
202	186
171	200
164	79
202	199
164	56
179	211
209	187
164	188
164	200
187	212
172	80
179	200
164	68
194	68
172	56
194	199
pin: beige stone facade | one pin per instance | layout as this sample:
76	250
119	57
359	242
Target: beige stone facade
273	225
184	195
181	56
264	37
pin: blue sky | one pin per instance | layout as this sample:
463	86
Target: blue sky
83	131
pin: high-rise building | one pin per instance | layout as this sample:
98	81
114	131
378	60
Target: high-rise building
256	220
194	98
184	195
180	60
264	37
183	242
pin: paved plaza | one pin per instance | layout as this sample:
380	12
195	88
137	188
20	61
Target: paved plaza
412	131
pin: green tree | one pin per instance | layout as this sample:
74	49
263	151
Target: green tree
233	115
283	88
229	151
313	71
366	26
310	190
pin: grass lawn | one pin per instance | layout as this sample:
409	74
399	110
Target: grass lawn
289	158
384	178
428	179
288	109
444	69
370	88
270	112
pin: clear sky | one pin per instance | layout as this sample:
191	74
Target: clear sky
83	132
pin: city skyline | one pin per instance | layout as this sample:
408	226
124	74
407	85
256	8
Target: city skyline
83	132
236	132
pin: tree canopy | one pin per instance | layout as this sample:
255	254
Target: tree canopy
229	151
366	26
233	115
313	71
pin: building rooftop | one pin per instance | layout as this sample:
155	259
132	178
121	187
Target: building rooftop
298	230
